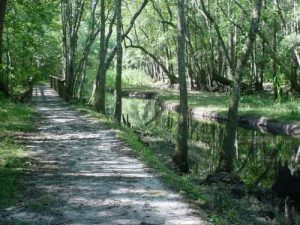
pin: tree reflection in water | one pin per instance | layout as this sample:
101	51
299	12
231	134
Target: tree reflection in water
257	157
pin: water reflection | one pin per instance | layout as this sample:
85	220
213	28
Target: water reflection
258	154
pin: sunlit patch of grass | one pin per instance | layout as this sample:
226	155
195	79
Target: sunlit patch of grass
288	110
130	78
250	105
136	78
11	154
14	118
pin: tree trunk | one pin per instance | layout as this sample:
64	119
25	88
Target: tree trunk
71	17
227	153
80	72
80	90
70	79
3	85
259	85
118	84
101	73
180	155
191	76
274	66
294	67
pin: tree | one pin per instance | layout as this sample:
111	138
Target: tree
71	16
157	40
101	73
3	86
93	31
118	84
31	43
106	59
228	149
180	155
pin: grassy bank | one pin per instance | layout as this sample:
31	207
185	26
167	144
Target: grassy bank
14	118
251	105
262	105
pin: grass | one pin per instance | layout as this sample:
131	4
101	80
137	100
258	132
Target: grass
14	118
261	105
287	110
131	78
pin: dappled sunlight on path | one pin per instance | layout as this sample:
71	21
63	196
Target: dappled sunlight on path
89	176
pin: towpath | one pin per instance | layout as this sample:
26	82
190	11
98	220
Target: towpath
85	175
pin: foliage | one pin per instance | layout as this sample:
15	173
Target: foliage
216	37
31	41
251	105
130	78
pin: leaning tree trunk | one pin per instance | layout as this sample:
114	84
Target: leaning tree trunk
180	155
118	84
3	85
227	153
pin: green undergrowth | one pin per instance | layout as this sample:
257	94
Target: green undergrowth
286	110
14	118
180	183
131	78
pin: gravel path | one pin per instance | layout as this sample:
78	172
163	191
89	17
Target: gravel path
85	175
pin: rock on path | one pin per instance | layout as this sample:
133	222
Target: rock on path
86	175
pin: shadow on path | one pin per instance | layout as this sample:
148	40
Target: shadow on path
86	175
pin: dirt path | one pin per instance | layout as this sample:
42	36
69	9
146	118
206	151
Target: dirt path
85	175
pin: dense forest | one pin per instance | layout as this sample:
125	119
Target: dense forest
210	87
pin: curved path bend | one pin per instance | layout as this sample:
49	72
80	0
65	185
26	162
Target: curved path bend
85	175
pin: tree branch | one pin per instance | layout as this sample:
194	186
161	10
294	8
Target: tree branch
133	19
211	19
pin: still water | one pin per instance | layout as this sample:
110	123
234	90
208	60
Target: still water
258	154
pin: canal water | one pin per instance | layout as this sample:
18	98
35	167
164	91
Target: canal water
258	154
